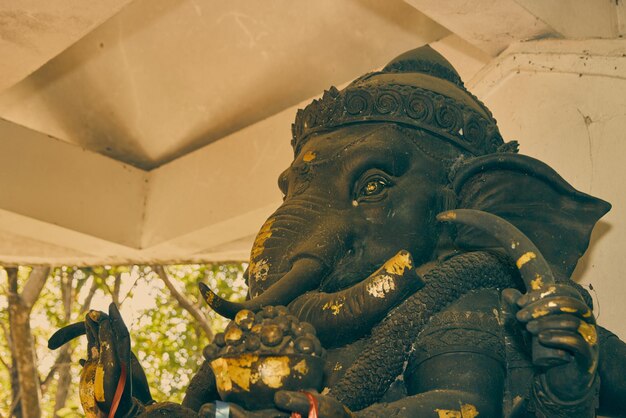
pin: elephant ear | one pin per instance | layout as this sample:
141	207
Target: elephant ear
534	198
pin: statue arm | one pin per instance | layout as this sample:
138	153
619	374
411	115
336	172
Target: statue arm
202	388
467	384
458	364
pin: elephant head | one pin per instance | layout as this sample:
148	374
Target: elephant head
373	166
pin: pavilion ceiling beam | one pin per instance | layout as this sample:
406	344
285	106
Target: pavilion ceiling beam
70	204
491	25
577	19
621	18
198	202
32	31
51	181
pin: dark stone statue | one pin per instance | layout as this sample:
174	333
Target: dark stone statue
386	253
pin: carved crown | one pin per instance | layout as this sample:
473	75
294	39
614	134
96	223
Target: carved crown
419	89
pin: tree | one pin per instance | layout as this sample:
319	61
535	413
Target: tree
26	391
169	338
168	321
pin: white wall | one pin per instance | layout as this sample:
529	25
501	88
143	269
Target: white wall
565	102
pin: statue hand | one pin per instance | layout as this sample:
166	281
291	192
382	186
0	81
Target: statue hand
559	318
299	402
292	402
106	376
209	410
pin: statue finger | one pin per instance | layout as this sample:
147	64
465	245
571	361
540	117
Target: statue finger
122	336
116	383
563	322
292	402
210	410
108	371
304	402
124	354
549	291
66	334
570	341
93	340
555	306
87	389
228	410
207	411
511	296
140	387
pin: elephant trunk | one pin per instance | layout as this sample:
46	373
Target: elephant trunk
355	310
305	275
293	252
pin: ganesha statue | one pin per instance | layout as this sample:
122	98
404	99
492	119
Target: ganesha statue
419	266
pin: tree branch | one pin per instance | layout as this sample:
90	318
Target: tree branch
12	278
16	402
5	364
34	285
117	283
64	355
184	302
62	358
87	302
7	333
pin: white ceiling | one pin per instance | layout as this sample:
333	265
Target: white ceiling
154	130
163	78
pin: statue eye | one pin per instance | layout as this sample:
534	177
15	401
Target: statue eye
373	188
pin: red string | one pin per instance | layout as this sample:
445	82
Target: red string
118	392
313	407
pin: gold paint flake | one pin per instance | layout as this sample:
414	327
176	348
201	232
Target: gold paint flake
301	367
86	390
536	283
95	354
94	315
259	242
448	413
381	286
309	156
259	270
525	258
98	387
540	312
447	216
569	310
235	370
210	298
466	411
334	306
398	263
337	367
588	332
274	370
550	291
469	411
